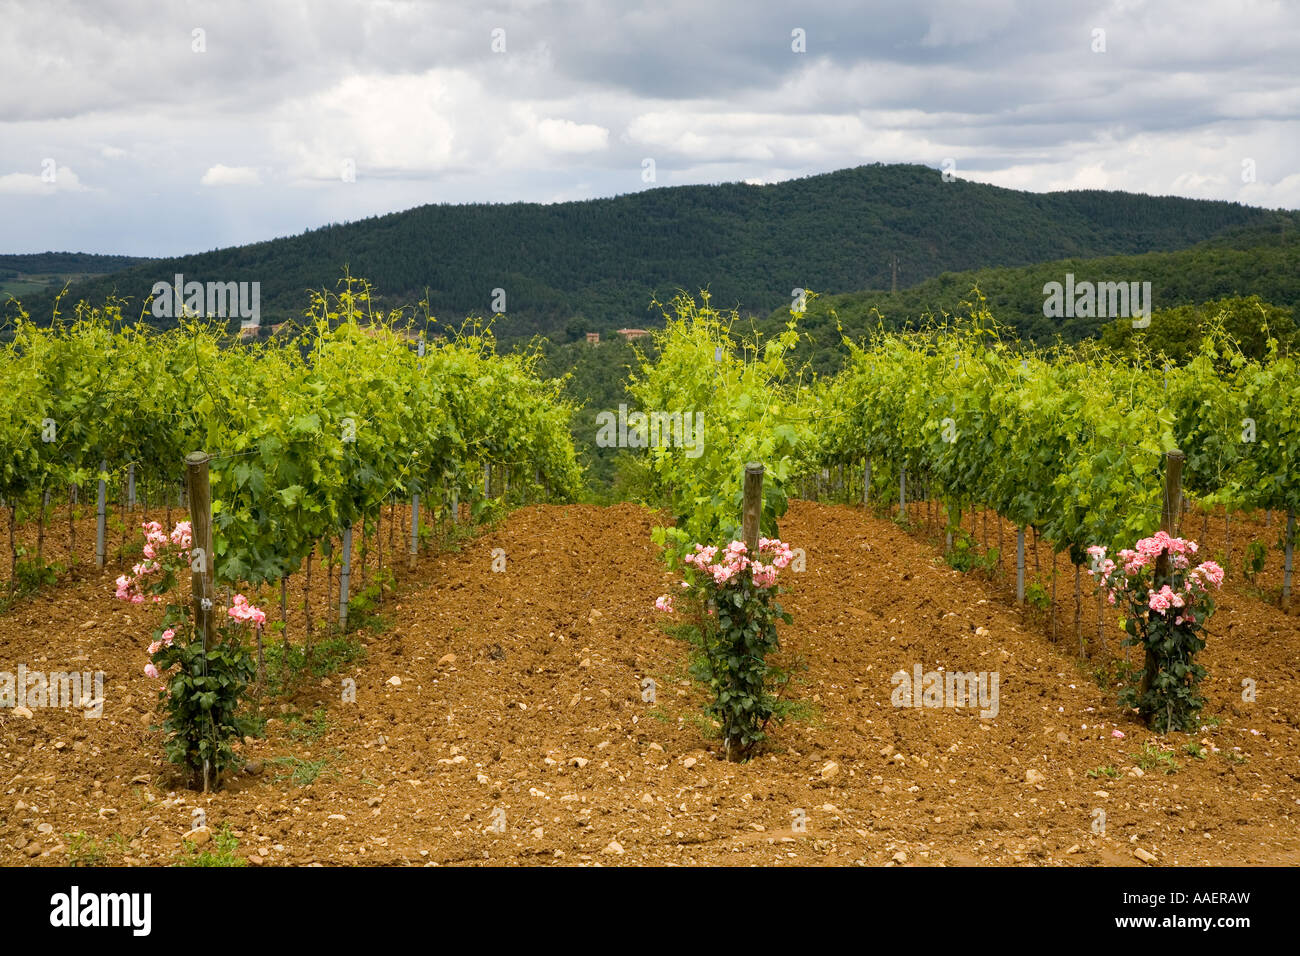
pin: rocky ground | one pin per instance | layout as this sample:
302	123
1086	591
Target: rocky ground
499	719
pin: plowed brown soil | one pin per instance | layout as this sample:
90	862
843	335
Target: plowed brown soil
520	710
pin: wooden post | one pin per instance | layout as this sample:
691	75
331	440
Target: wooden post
1020	565
99	516
415	531
344	574
753	505
455	506
902	491
201	571
130	486
1172	510
866	482
487	479
1169	514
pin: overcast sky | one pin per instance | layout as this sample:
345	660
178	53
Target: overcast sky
173	127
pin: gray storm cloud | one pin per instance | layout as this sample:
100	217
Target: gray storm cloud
209	124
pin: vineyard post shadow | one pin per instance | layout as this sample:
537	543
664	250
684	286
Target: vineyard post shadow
1170	512
200	495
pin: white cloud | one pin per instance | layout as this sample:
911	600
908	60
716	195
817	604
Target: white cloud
64	180
220	175
421	125
566	136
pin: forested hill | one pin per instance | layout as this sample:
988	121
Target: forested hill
73	262
1262	260
572	267
29	275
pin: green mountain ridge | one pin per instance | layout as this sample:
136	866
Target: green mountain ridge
595	265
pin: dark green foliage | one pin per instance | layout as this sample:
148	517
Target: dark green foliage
1176	333
44	273
732	644
596	382
1261	261
595	265
44	263
201	701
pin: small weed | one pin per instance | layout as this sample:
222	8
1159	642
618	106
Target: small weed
30	576
83	850
708	728
1108	772
487	511
314	729
256	725
800	710
964	556
363	608
1194	750
222	853
1151	757
1253	563
328	657
302	773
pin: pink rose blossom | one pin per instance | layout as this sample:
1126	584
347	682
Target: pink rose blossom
242	611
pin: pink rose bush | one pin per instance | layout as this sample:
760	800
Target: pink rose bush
204	685
164	557
735	562
241	610
1166	610
735	591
